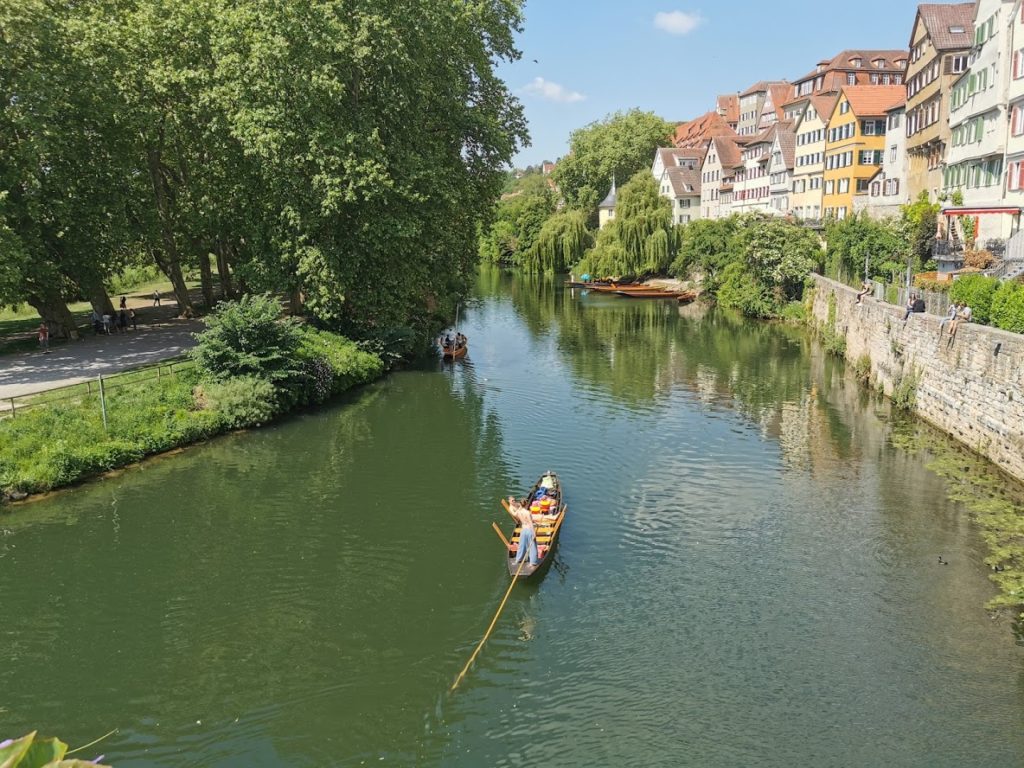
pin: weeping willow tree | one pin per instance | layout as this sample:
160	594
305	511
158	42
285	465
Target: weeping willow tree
560	243
640	239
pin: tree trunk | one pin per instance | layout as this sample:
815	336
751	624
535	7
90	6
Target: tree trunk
295	302
206	279
224	271
55	313
170	262
97	295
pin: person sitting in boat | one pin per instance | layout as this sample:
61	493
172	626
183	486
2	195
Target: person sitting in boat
527	534
447	341
460	341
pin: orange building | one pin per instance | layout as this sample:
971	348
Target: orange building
855	143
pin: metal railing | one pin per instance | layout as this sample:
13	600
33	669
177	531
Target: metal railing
10	407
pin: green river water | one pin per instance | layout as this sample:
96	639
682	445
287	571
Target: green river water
748	575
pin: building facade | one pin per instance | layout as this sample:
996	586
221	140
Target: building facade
780	169
1014	162
979	125
717	173
887	190
809	158
940	43
752	189
855	144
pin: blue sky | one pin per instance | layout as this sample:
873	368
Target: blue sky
594	57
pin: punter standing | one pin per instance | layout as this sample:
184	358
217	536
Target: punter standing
527	534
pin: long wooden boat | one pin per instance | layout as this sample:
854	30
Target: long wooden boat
616	287
686	297
546	523
453	352
655	293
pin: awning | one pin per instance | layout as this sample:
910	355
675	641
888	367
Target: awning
1011	210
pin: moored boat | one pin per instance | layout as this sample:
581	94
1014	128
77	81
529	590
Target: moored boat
547	505
653	293
686	297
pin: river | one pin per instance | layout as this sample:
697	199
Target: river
749	573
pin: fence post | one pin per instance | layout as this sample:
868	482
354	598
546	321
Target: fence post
103	403
13	411
158	373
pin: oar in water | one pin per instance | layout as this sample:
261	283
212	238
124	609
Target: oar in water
487	634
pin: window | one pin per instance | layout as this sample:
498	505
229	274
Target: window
1017	120
856	62
844	186
1018	63
874	78
892	154
959	65
851	78
862	186
956	30
878	63
830	187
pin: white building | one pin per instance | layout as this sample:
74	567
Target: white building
780	169
606	208
681	185
887	190
752	191
978	120
1014	72
718	173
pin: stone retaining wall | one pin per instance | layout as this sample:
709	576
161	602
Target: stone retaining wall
970	386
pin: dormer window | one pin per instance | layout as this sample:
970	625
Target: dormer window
901	63
856	63
878	63
956	30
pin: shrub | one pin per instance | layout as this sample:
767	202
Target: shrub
833	342
741	290
248	338
243	401
923	282
976	291
862	368
349	363
1008	307
978	259
794	312
904	393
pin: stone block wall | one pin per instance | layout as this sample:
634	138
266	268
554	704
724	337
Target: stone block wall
970	386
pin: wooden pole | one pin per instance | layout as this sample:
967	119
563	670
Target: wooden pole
13	410
501	535
103	402
487	634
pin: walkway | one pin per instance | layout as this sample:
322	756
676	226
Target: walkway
78	361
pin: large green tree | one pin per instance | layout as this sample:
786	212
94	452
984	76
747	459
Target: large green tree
619	146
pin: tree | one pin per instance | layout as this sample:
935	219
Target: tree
561	243
919	225
640	239
619	146
518	222
858	238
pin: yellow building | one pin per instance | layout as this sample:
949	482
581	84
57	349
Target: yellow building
855	143
940	47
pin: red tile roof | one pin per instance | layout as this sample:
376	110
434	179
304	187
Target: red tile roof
940	18
874	100
842	61
762	85
728	151
697	133
729	107
685	181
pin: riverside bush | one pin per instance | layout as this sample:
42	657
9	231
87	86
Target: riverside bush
1008	307
248	338
976	291
350	365
243	401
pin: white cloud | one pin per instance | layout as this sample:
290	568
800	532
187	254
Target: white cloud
552	91
677	22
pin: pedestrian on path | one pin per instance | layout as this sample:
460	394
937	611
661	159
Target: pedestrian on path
106	324
97	323
131	316
124	302
44	338
156	298
122	321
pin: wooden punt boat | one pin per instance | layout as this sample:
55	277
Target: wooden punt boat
453	352
654	293
686	297
545	525
616	287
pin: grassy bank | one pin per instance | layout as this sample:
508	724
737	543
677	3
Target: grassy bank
56	445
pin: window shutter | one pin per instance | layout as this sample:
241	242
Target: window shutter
947	65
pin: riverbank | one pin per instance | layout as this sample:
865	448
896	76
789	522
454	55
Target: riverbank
56	445
970	386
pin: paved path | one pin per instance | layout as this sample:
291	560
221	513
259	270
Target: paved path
76	361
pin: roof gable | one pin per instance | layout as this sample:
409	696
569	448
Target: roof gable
949	26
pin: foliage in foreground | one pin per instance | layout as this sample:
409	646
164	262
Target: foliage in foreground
34	752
